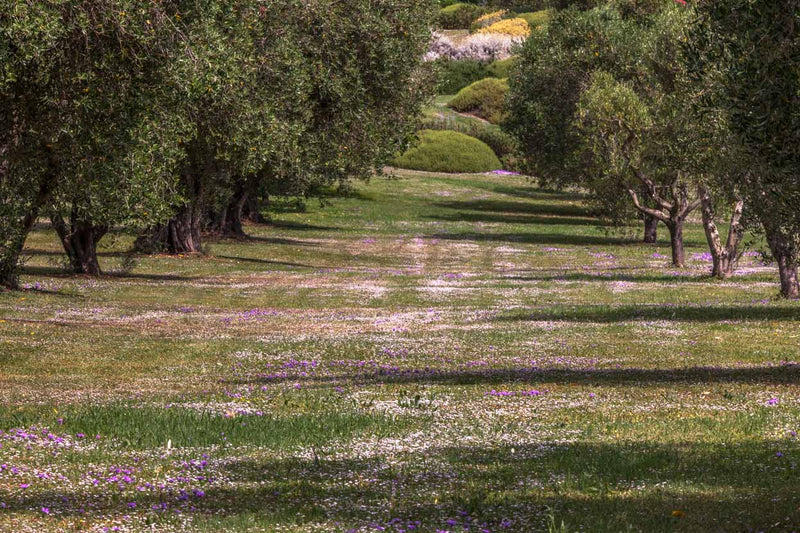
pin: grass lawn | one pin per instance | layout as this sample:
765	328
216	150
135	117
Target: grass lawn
430	353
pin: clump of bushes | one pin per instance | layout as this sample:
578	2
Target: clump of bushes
448	151
459	16
515	27
500	69
485	99
454	75
537	19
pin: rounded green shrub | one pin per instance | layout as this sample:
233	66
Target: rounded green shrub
485	99
459	16
448	151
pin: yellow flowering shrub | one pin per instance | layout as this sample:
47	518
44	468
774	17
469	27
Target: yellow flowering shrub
514	27
489	18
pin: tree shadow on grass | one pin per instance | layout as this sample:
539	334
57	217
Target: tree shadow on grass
60	253
535	238
670	312
536	375
299	226
616	274
59	273
496	218
534	192
520	208
267	261
590	486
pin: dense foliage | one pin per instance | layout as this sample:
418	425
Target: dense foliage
459	15
87	112
603	98
745	56
117	113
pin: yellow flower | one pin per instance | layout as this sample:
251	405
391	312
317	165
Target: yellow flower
490	18
513	27
678	514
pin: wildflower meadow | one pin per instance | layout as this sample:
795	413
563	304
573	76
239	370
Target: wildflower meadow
427	353
418	266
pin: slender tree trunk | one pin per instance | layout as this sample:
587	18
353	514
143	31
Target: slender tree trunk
9	258
724	256
783	251
80	241
676	242
650	229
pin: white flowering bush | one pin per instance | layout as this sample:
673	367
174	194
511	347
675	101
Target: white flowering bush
484	47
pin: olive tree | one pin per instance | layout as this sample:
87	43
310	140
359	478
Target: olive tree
84	113
311	94
603	101
556	66
746	55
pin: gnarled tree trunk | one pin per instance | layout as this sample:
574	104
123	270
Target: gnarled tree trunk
675	226
783	250
182	234
229	221
252	209
672	211
80	239
650	229
724	257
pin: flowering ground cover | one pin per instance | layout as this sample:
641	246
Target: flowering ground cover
430	353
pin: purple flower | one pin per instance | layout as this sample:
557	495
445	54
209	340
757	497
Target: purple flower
772	401
45	510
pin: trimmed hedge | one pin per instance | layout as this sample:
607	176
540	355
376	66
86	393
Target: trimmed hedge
485	99
448	151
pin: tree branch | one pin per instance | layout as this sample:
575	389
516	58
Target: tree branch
655	213
663	204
